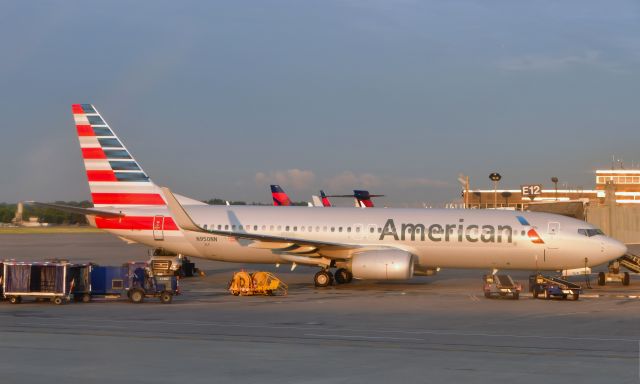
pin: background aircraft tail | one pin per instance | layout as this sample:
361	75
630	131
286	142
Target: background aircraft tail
280	198
325	199
115	177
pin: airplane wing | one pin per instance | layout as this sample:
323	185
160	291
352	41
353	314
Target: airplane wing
78	210
288	245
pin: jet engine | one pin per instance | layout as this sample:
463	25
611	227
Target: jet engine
382	265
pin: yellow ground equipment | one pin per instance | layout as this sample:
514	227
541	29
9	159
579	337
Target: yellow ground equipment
257	283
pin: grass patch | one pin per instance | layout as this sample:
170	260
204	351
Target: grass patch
46	230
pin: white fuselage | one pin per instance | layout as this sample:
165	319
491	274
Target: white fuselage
437	238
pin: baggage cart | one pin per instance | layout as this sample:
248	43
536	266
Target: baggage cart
39	280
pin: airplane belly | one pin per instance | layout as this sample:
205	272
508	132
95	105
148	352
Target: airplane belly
508	257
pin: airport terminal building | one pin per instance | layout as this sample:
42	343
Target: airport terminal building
623	183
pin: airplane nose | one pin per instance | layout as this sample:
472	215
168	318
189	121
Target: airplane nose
615	249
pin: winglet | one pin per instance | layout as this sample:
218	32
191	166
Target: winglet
180	216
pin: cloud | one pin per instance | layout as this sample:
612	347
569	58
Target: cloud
350	180
297	179
553	63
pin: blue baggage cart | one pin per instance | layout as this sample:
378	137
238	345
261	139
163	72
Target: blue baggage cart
39	280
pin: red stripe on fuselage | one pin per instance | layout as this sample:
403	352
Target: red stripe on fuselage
93	153
127	198
85	130
106	175
134	223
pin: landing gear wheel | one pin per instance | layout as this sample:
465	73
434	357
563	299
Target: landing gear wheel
343	276
535	293
601	278
15	299
546	295
136	296
86	298
57	300
576	296
322	279
626	279
516	295
166	297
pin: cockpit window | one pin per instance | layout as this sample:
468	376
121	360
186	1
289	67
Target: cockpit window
589	232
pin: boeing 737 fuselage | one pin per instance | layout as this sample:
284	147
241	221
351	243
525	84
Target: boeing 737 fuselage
378	243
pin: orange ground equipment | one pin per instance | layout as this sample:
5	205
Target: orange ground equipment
257	283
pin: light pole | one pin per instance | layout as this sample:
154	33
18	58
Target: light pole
554	180
495	177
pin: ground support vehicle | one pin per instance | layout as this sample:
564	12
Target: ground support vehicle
501	286
629	261
133	280
257	283
164	263
550	286
39	280
141	284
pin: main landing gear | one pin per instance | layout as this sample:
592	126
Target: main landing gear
325	278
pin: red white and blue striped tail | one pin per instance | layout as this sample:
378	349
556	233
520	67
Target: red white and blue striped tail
115	177
280	198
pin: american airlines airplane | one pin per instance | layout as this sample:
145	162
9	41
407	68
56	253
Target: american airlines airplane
379	244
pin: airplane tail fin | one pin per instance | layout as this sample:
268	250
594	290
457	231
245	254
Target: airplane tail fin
325	199
280	198
115	177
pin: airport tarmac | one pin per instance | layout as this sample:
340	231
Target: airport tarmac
431	329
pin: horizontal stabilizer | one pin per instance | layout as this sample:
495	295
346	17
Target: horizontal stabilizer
78	210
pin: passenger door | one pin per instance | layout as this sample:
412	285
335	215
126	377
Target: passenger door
158	227
551	240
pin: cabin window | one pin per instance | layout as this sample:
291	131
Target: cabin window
295	229
286	228
279	227
317	228
379	230
271	227
264	227
302	228
310	229
348	229
204	226
333	229
357	229
233	227
226	227
324	229
255	228
339	229
219	227
372	229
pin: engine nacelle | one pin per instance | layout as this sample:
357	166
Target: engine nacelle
382	265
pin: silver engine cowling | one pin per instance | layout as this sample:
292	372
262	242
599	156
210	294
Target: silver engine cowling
382	265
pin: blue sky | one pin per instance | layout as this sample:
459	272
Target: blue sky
222	98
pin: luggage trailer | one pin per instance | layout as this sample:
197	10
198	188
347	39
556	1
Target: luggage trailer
39	280
550	286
